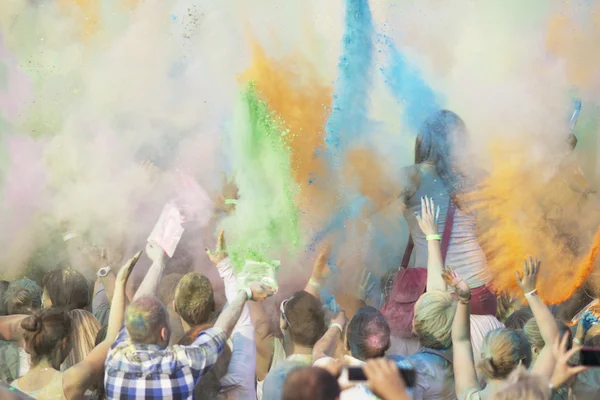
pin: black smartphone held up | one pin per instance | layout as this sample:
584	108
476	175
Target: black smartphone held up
356	374
590	356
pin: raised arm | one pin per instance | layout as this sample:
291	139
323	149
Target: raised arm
78	378
544	364
465	376
326	346
149	286
236	297
242	367
320	272
428	222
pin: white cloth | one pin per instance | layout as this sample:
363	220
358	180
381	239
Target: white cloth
239	381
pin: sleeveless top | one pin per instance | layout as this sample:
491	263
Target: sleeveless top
278	357
52	391
464	252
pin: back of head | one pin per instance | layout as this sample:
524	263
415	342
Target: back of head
503	350
521	385
23	297
144	320
67	289
434	314
368	334
306	318
83	336
519	318
437	141
194	299
310	383
3	286
48	336
168	285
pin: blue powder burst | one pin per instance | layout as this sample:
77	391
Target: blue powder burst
348	119
408	87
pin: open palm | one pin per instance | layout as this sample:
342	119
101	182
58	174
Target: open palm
454	280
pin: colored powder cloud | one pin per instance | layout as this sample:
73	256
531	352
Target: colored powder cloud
266	220
409	88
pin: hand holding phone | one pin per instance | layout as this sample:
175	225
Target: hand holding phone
358	374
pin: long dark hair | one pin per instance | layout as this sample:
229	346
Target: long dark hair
435	143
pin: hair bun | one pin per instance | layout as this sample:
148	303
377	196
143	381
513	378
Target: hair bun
32	324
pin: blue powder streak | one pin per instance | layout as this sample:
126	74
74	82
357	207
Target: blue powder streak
348	119
407	85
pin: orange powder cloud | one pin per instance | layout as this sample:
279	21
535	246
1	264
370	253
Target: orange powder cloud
531	210
292	90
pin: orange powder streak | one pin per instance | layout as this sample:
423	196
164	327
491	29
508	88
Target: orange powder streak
528	211
291	88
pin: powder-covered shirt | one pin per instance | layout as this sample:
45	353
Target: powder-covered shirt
148	371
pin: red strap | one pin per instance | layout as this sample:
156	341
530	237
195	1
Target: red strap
410	245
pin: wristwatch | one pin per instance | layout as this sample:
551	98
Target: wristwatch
102	272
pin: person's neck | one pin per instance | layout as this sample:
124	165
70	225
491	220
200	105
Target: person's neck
43	365
302	350
186	327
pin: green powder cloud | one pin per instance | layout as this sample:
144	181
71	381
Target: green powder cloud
266	220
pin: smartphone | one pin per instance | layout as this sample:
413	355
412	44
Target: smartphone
356	374
590	356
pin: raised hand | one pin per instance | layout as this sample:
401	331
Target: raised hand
155	252
260	291
384	379
320	269
365	285
454	280
229	194
563	372
527	283
127	268
221	251
428	218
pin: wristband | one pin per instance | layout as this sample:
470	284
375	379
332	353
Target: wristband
577	341
248	293
314	283
433	237
533	293
337	326
464	301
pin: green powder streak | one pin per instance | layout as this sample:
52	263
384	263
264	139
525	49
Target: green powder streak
266	220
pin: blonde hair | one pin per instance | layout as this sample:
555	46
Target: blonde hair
83	336
432	323
502	351
521	385
532	332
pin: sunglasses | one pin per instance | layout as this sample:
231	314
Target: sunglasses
282	309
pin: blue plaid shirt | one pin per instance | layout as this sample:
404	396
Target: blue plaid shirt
139	371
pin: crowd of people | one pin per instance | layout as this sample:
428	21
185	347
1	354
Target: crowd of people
440	332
